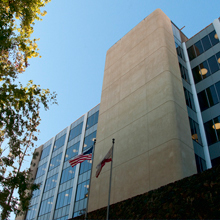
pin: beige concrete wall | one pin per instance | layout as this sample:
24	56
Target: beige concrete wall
143	108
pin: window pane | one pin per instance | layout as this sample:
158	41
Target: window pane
212	96
214	38
196	74
195	131
45	152
210	132
59	142
206	43
217	86
213	64
75	131
55	161
191	53
72	151
85	166
198	48
184	73
89	140
204	70
203	101
218	58
68	174
41	170
217	126
92	120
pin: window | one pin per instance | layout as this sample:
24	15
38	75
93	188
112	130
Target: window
72	151
51	182
210	132
82	190
41	170
203	101
46	206
68	174
55	161
64	198
184	73
85	166
189	99
200	164
198	48
213	64
75	131
92	120
89	140
31	212
59	142
37	191
45	152
206	43
195	131
191	53
214	38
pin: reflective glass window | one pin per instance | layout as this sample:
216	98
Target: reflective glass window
217	86
213	64
189	99
31	212
179	51
198	48
37	191
206	43
217	126
72	151
85	166
195	131
75	131
59	142
212	96
68	174
41	170
196	74
203	101
64	198
89	140
46	206
184	73
204	70
51	182
210	132
45	152
218	58
92	120
200	164
214	38
191	53
82	190
55	161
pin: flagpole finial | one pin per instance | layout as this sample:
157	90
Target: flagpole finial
113	140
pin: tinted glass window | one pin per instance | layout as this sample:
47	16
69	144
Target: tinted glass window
217	126
41	170
64	198
46	206
218	58
189	99
217	86
184	73
92	120
213	64
72	151
51	182
198	48
37	191
85	166
55	161
191	52
82	190
204	70
59	142
195	131
200	164
45	152
214	38
68	174
210	132
212	96
203	101
75	131
89	140
196	74
206	43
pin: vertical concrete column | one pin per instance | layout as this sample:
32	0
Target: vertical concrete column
198	111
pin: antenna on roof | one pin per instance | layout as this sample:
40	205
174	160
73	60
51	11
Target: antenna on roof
182	28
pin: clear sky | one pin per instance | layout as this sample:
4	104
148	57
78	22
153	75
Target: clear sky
74	38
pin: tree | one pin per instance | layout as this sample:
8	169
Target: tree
19	104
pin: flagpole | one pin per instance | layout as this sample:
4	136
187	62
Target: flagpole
110	180
93	151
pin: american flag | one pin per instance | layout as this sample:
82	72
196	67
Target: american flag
87	155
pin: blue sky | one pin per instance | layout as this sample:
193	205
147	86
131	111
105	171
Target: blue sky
74	38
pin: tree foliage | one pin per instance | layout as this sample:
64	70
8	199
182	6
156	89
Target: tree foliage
19	104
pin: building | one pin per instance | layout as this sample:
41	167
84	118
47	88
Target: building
160	101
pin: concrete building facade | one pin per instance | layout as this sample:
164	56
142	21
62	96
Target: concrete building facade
160	102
